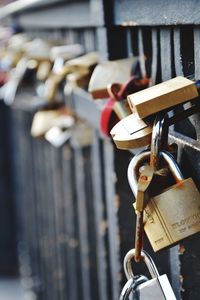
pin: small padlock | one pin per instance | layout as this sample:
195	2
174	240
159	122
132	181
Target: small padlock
116	107
109	72
131	132
174	213
44	120
157	288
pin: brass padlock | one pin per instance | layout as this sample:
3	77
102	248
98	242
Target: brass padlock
162	96
131	132
109	72
82	66
44	120
174	213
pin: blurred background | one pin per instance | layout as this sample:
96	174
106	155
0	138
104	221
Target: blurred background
66	216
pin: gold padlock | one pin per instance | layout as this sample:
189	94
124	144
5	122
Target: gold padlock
82	66
174	214
162	96
131	132
109	72
44	120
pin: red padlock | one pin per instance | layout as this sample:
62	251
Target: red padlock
117	107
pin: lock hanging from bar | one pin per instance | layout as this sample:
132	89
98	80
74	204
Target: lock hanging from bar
157	288
172	215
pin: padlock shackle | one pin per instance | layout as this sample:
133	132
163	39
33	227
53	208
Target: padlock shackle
127	289
173	165
159	138
130	285
143	156
147	260
133	169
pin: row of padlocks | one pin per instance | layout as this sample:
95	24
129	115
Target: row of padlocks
167	205
136	115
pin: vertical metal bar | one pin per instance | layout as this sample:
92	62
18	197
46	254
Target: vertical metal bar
37	203
52	232
185	126
197	51
69	220
26	196
177	52
102	43
59	220
196	119
89	39
48	216
129	42
40	203
175	270
113	232
165	49
154	56
82	219
141	53
102	274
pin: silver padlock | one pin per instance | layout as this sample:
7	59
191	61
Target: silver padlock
131	285
157	288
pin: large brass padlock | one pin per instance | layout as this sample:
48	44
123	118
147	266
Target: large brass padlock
174	213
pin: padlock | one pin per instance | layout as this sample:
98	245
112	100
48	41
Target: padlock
61	131
117	108
131	132
157	288
44	120
109	72
80	66
57	137
162	96
174	213
16	77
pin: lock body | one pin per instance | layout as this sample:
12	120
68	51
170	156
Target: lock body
155	289
173	215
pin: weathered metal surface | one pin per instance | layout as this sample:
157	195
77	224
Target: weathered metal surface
112	221
165	54
139	13
100	223
8	258
40	14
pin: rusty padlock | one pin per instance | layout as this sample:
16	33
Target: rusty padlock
174	213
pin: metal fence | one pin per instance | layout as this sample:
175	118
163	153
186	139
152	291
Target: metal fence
76	220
